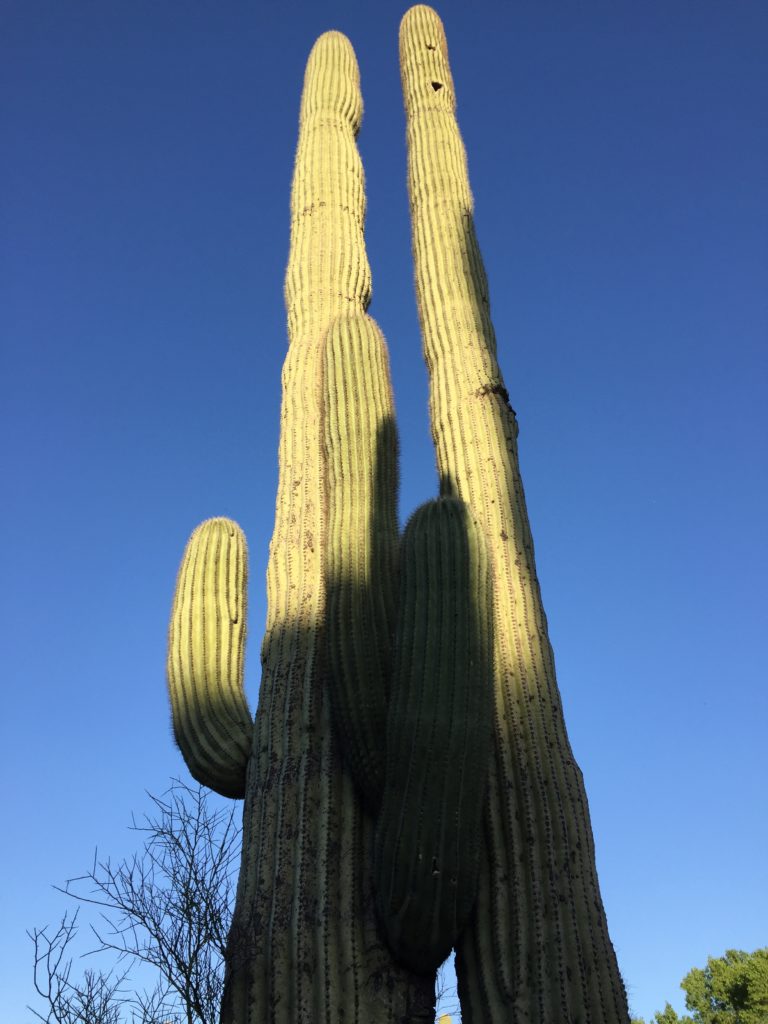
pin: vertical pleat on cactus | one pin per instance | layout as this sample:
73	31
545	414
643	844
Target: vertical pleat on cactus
537	949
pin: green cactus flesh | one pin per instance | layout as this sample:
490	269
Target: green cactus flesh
438	736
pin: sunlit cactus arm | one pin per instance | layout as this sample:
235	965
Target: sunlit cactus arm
428	832
304	946
206	647
361	498
537	950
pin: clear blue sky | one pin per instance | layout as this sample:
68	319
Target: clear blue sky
619	161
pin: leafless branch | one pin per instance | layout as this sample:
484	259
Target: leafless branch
96	999
168	906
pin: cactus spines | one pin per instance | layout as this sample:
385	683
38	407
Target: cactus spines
537	949
429	828
206	647
361	497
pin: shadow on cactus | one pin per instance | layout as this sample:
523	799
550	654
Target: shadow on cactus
407	642
409	632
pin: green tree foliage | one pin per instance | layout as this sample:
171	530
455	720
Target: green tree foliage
731	989
668	1016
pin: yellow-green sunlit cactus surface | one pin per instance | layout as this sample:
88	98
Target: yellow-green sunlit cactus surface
408	783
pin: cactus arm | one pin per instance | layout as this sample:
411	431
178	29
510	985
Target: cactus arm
538	948
304	945
206	645
361	566
429	828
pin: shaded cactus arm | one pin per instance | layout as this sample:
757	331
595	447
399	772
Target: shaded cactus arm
428	834
361	558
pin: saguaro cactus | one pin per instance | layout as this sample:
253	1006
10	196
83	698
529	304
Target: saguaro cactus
305	945
371	842
538	947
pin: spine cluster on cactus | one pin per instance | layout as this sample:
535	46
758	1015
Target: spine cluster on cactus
408	782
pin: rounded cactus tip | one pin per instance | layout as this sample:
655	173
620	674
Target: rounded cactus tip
424	67
220	521
222	526
420	18
332	80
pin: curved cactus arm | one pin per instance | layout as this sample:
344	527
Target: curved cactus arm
429	830
537	949
361	558
206	648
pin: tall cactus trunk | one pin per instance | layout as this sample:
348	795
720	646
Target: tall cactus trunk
304	946
537	950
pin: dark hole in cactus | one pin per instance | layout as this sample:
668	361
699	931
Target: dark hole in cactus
435	868
437	86
430	46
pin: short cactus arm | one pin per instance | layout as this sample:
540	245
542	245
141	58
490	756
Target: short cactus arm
206	647
538	948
